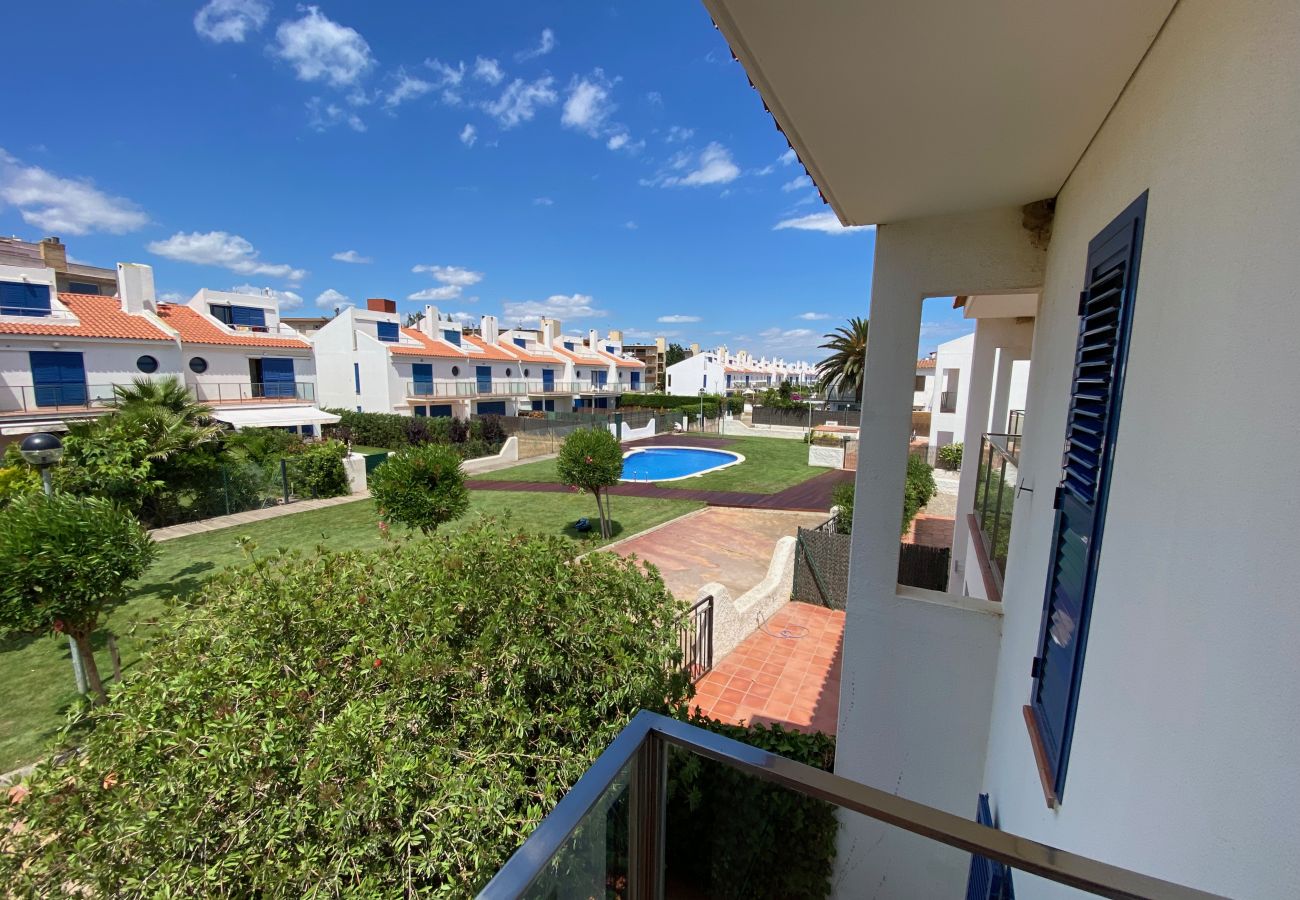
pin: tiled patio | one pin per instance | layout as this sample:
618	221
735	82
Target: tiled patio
787	671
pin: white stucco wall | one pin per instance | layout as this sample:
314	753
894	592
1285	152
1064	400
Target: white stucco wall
1183	757
953	357
107	362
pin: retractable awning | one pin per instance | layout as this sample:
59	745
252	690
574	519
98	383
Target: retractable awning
274	416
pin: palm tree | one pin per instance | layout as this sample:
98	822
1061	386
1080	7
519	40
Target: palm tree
166	415
844	368
169	393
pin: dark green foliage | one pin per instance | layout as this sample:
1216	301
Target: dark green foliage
675	354
918	489
949	456
844	369
842	497
689	406
591	460
389	723
317	470
479	437
733	836
420	487
65	561
261	445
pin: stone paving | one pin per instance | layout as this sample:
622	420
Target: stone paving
788	672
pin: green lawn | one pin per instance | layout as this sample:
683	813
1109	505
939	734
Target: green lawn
36	686
771	465
366	451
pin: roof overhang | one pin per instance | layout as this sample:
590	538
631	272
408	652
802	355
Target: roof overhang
907	110
274	416
998	306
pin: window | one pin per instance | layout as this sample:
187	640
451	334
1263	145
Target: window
1101	355
568	345
507	373
452	337
613	351
988	879
920	384
387	332
147	364
706	379
356	376
276	376
250	317
198	365
59	378
521	342
82	287
455	370
525	373
422	379
422	411
308	431
22	299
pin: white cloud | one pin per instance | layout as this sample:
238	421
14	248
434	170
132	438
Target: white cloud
588	105
544	46
446	292
330	298
408	88
677	319
766	170
558	306
448	78
172	297
543	201
519	101
654	98
219	248
813	316
230	20
713	166
457	275
322	116
795	184
351	256
826	222
64	205
320	49
789	157
468	135
287	299
630	225
677	134
488	70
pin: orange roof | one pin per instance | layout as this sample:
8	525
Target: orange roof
100	317
531	355
580	360
490	351
195	329
428	346
620	362
925	363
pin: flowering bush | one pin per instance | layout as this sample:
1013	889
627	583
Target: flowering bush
387	723
591	460
421	487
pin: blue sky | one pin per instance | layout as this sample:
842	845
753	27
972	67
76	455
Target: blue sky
606	164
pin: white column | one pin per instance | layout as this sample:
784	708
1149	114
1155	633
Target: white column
978	401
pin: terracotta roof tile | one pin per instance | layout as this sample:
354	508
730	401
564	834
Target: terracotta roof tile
428	347
532	355
195	329
620	362
97	316
925	364
490	351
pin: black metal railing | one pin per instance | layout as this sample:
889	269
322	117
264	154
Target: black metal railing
1016	421
612	830
995	493
695	639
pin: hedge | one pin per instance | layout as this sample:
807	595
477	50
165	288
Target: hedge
686	403
481	436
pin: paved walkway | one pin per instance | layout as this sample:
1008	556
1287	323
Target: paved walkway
788	671
729	545
253	515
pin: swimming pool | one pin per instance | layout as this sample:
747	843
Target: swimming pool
672	463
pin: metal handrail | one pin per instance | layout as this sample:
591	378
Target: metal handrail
647	734
252	391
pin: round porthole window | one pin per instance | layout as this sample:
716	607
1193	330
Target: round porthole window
198	365
577	374
525	373
147	364
507	373
455	370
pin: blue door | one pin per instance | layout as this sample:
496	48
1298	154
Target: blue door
277	378
60	378
602	403
441	409
483	377
636	381
492	408
422	376
421	412
548	380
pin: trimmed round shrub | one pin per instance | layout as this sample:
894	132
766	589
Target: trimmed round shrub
386	723
317	470
591	460
421	487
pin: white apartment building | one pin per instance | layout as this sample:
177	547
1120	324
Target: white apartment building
948	378
718	371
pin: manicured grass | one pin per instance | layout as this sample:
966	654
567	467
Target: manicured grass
36	686
366	451
771	465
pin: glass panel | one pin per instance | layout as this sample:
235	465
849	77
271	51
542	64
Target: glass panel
594	860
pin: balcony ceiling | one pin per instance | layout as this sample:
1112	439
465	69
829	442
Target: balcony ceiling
902	110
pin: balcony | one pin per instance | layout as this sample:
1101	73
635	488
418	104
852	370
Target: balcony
467	389
224	393
56	398
618	832
607	389
995	494
948	402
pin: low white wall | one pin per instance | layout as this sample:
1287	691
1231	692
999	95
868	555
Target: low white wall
736	619
509	453
633	434
738	428
355	465
826	457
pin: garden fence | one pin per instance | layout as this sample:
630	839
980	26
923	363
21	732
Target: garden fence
801	418
821	566
695	639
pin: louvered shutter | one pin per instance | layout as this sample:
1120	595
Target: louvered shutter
277	378
1105	314
59	378
988	879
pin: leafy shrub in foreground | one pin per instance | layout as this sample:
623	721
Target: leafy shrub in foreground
371	724
919	489
422	487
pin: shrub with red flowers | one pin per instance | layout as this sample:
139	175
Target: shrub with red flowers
591	460
369	724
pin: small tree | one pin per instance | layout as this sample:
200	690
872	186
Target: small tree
66	560
421	487
592	460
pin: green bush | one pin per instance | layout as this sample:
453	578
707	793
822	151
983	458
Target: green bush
591	460
842	497
378	724
421	487
66	560
918	489
317	470
262	445
731	835
392	431
949	456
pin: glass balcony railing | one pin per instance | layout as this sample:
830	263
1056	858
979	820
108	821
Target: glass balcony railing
753	823
494	388
948	402
224	392
69	397
995	494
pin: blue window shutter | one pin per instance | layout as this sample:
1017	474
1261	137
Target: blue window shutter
247	316
483	378
82	287
443	410
568	345
1101	355
277	378
636	380
421	411
521	342
988	880
548	379
356	376
452	337
492	408
22	299
387	332
59	378
422	376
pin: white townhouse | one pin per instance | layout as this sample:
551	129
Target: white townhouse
923	390
718	371
949	384
62	353
1118	699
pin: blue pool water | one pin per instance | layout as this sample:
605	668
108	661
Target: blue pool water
667	463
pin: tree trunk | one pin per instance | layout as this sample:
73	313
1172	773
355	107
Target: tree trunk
600	510
88	662
116	656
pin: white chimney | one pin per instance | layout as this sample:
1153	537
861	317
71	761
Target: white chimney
593	339
429	324
135	287
551	329
487	327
